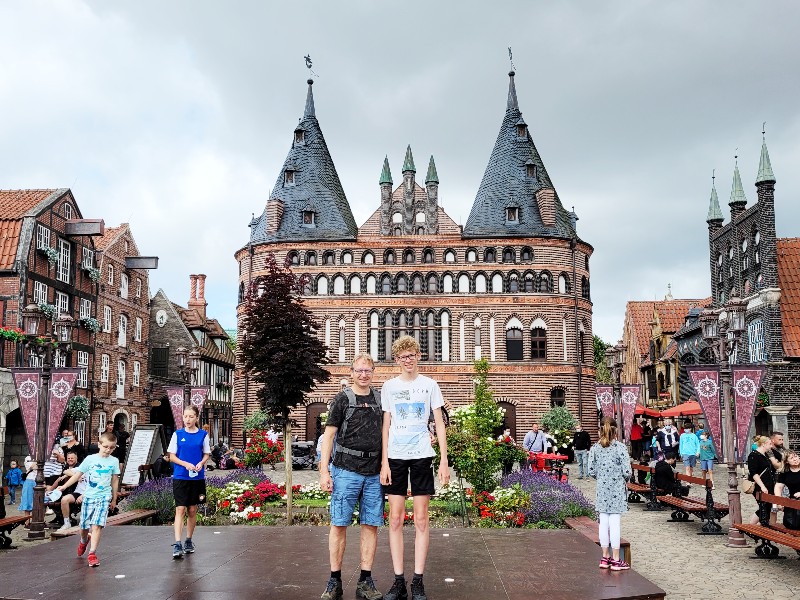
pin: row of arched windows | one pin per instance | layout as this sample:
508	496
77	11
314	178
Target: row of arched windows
508	254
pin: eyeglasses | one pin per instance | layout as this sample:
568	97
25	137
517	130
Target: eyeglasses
407	357
362	371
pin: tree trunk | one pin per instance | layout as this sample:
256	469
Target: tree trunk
287	459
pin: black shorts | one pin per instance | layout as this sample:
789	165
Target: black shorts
418	470
51	479
189	492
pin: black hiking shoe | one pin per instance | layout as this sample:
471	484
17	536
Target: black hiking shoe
397	591
418	591
333	591
366	589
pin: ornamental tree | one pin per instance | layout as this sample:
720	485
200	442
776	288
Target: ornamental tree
280	349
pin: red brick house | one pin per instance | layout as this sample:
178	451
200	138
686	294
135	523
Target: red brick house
511	285
47	257
121	372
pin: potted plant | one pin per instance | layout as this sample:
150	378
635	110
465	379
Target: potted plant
94	273
90	323
78	407
50	311
51	254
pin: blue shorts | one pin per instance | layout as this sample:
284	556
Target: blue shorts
351	488
689	460
94	511
707	464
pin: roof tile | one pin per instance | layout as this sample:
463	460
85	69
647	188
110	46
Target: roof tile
789	282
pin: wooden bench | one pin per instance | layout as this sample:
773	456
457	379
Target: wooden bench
589	528
7	525
125	518
706	509
636	490
764	534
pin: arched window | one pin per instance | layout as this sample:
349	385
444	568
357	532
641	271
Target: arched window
416	284
308	287
449	256
338	285
386	285
509	256
476	338
529	282
447	284
427	256
347	257
371	284
408	257
387	335
538	343
368	258
745	257
322	286
497	283
397	231
545	283
402	284
293	258
489	255
241	292
563	284
463	284
757	245
311	257
355	285
480	283
514	344
472	255
328	258
420	217
513	284
433	285
526	254
585	287
430	338
374	326
397	218
416	324
557	397
342	341
389	258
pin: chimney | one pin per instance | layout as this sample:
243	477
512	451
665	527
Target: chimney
192	287
197	301
546	199
201	292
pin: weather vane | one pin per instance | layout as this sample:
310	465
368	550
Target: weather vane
764	128
511	58
309	64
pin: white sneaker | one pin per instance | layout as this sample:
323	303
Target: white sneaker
49	512
65	527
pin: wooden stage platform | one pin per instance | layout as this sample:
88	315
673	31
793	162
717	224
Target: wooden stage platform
292	563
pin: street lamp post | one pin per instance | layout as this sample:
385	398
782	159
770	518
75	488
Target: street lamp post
615	360
188	369
47	346
721	331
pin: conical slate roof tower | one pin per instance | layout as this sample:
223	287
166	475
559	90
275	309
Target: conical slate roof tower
308	201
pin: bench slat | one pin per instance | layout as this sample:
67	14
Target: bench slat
767	533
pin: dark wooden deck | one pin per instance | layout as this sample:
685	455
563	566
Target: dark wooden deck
292	563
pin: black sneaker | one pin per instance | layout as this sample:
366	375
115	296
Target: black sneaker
366	589
418	591
398	591
177	550
333	591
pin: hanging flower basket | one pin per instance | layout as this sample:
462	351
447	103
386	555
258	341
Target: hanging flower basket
50	311
94	274
51	254
90	323
12	334
78	407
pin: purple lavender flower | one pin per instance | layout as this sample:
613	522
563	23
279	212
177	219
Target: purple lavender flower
551	501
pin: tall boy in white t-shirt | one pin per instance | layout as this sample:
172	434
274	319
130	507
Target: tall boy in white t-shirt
407	401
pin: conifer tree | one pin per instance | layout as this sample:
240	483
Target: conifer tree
281	351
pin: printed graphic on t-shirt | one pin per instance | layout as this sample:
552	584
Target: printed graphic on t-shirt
98	472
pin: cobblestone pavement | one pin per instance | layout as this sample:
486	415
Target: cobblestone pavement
671	555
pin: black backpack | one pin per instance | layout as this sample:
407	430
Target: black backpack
352	404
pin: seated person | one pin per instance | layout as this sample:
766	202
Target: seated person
218	452
232	456
641	476
162	467
665	474
73	495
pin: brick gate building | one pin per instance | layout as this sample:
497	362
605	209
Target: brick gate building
511	286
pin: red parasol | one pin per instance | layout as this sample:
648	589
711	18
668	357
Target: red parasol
692	407
643	410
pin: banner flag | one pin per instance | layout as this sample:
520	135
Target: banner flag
605	400
630	396
746	383
175	396
27	382
62	383
198	396
705	380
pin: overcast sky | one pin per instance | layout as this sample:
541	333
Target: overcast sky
177	116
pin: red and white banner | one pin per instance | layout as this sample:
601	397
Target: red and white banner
27	383
706	386
605	400
62	383
630	396
745	386
175	397
197	397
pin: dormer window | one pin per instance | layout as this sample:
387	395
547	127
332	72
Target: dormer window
309	218
530	170
512	214
522	130
288	177
67	211
299	136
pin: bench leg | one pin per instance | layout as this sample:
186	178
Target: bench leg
653	504
711	525
5	539
680	516
766	549
634	497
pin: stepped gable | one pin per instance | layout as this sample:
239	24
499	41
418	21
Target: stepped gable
316	187
372	226
788	250
507	183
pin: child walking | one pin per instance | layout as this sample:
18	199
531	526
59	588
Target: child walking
407	402
707	456
100	496
610	464
14	480
189	450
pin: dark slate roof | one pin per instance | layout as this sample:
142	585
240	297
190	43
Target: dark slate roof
505	184
317	188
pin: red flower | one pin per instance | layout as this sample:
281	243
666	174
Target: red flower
225	504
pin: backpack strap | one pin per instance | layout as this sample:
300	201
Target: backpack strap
352	403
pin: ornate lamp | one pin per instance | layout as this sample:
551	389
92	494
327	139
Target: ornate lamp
63	328
736	315
194	359
33	320
709	322
181	354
